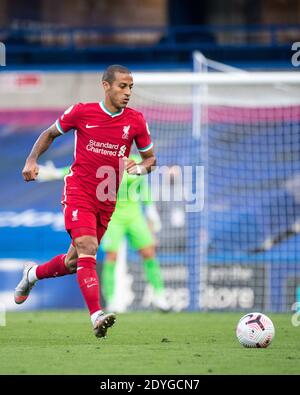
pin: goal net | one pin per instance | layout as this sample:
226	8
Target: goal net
227	191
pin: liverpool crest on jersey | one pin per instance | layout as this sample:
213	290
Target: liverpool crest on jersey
126	132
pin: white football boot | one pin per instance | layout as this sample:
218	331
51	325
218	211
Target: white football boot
160	302
24	287
102	323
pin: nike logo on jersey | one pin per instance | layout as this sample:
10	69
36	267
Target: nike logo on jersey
91	285
91	126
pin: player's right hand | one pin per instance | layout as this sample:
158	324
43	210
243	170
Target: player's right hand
133	168
31	170
129	164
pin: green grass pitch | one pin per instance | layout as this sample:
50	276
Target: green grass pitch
62	342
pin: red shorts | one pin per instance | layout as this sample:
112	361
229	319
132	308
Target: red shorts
86	221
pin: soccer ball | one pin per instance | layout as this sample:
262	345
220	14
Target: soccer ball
255	330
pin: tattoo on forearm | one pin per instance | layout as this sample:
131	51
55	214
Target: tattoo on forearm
43	142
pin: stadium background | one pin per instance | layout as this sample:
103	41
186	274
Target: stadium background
54	59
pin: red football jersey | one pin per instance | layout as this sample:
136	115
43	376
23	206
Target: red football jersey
101	140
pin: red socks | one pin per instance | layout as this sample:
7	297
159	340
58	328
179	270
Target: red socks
54	268
86	275
88	282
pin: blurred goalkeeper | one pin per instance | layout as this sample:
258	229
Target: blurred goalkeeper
128	220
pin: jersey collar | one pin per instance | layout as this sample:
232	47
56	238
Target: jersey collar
103	108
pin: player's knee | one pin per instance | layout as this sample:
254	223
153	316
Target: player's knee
111	256
71	265
148	252
86	245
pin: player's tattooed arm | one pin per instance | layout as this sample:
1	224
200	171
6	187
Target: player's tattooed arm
31	169
149	161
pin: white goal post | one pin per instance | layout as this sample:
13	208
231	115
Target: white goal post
233	78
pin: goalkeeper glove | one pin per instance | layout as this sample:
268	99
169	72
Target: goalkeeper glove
153	216
49	172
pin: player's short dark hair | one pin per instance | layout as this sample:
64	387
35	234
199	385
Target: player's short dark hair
109	73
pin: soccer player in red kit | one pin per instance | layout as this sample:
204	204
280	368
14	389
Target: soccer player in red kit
104	133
